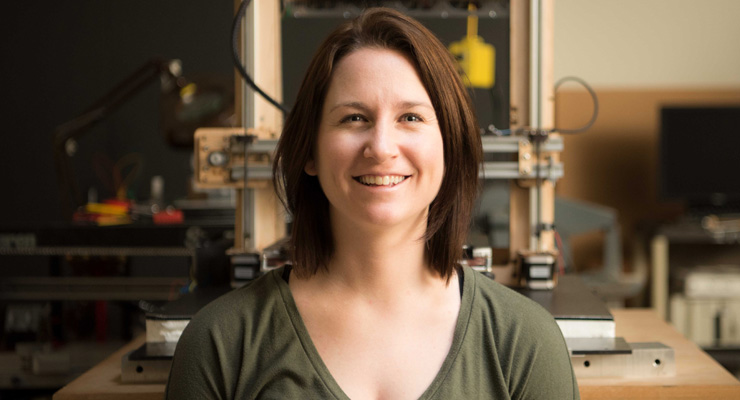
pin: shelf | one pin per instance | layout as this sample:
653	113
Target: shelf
90	288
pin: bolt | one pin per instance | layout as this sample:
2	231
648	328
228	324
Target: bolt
526	171
526	156
492	14
70	147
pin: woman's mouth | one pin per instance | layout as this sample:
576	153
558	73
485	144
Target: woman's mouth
380	180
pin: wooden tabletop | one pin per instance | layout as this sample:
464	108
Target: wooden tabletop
103	381
698	376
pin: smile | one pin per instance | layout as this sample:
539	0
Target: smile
380	180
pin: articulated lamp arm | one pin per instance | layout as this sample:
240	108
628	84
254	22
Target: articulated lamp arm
67	133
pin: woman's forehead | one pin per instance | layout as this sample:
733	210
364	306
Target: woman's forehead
369	75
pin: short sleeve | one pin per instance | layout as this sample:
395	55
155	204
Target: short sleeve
542	368
195	372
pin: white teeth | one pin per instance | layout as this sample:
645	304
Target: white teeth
377	180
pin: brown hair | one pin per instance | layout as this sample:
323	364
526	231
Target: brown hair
312	244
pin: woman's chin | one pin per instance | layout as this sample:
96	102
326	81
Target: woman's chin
392	218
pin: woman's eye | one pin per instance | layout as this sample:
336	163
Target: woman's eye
411	118
353	118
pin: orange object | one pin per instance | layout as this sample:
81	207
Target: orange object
168	217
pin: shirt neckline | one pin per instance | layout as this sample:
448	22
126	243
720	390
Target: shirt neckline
461	327
285	274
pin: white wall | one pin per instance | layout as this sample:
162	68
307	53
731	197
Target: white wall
649	43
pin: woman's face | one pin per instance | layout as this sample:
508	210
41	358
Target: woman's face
379	153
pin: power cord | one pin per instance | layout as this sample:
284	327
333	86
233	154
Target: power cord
237	60
595	100
587	126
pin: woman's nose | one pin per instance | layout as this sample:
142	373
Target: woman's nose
381	143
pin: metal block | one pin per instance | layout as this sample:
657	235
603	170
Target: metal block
648	359
586	346
147	364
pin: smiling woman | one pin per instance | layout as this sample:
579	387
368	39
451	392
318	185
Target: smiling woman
413	58
378	165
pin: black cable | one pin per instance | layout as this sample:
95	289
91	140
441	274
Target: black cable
237	60
245	200
497	105
538	228
593	97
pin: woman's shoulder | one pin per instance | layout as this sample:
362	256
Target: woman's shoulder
219	351
512	318
508	304
528	344
243	306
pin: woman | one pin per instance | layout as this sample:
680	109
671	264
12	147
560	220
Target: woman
378	165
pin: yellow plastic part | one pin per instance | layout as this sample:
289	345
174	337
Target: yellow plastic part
477	60
110	209
476	57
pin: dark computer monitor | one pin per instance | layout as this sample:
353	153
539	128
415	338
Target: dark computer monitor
700	156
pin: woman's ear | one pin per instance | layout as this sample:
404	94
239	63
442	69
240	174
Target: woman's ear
310	168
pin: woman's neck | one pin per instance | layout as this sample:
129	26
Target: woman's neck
381	263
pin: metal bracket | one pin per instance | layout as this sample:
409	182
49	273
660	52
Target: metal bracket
219	159
526	157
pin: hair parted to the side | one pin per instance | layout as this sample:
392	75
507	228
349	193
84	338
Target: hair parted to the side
312	244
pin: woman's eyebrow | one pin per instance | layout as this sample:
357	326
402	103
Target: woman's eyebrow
351	104
361	106
412	104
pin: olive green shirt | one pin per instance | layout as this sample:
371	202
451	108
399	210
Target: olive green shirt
252	344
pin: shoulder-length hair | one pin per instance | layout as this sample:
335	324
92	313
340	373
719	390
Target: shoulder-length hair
312	244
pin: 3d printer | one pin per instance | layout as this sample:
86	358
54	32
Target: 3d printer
523	159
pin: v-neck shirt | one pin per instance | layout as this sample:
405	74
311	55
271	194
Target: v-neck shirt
252	344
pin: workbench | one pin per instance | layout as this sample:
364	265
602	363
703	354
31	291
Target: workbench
698	376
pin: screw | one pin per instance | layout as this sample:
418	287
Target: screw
526	156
